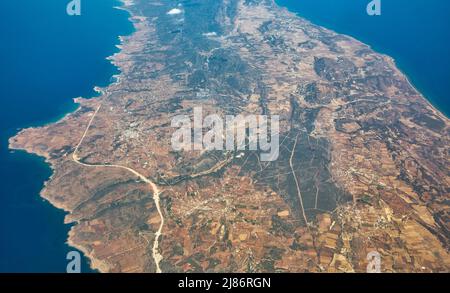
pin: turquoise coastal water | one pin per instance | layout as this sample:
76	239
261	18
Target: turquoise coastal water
47	58
416	33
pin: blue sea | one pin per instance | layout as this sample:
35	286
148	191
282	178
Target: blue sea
416	33
47	58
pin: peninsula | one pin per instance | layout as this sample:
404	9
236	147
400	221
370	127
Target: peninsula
363	162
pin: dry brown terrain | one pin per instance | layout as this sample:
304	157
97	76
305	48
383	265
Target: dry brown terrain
363	166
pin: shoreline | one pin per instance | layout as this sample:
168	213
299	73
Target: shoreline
99	91
94	263
396	65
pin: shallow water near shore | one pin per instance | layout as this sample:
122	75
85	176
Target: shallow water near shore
47	59
414	32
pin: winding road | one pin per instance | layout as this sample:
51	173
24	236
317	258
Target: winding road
157	257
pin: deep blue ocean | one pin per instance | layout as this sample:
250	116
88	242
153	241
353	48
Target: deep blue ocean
416	33
47	58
